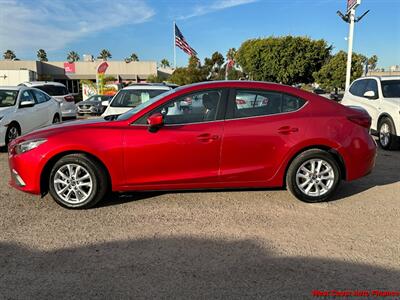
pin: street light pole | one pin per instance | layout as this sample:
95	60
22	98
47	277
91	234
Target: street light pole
350	46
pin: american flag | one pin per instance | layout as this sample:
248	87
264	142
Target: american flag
181	43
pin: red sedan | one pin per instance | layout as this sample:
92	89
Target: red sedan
290	138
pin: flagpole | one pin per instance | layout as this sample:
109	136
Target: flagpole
174	24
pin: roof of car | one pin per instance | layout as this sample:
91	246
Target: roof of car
16	88
382	78
147	87
39	83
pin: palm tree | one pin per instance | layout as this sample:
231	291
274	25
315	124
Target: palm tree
104	54
73	56
42	55
231	54
9	55
134	57
165	63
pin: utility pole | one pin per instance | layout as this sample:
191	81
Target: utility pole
350	17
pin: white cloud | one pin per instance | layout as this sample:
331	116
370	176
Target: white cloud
201	10
52	24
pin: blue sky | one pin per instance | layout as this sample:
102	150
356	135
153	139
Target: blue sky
145	26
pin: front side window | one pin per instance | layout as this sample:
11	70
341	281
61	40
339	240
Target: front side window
263	103
133	98
358	88
26	96
391	88
40	97
8	98
192	108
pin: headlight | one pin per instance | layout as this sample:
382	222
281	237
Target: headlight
28	145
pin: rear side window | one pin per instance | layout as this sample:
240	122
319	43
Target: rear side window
249	103
40	97
53	90
372	85
358	88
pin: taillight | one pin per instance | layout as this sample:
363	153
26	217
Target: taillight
362	120
69	98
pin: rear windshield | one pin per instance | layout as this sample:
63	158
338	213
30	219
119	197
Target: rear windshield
391	88
8	98
53	90
133	98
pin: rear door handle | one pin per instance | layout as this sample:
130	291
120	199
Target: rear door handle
287	130
207	137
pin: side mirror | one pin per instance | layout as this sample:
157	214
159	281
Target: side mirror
370	95
155	121
105	103
28	103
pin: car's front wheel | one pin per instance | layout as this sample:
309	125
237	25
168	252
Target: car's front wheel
77	181
13	131
387	134
313	176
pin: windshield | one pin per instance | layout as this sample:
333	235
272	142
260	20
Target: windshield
138	108
53	90
391	88
8	98
98	98
132	98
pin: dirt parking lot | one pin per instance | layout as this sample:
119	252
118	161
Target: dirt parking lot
255	244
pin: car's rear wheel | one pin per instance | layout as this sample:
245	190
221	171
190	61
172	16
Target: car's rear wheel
13	131
313	176
77	181
387	134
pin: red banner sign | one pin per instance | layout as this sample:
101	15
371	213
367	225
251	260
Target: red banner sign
352	4
69	67
102	67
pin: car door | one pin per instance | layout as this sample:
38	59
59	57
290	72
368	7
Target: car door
371	105
185	152
42	108
257	137
28	117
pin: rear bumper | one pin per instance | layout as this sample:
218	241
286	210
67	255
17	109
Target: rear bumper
3	130
360	157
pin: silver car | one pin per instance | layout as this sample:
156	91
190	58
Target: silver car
59	92
93	105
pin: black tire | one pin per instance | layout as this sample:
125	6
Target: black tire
56	119
293	182
13	131
100	185
390	141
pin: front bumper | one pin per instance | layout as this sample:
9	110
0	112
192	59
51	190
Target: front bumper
25	170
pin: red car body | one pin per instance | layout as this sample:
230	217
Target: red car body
227	153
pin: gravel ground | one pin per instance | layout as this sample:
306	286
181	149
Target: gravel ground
240	244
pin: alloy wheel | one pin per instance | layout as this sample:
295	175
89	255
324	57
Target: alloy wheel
73	183
315	177
13	133
384	134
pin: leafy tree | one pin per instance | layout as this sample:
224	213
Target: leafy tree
42	55
286	59
154	79
9	55
212	66
104	54
73	56
333	74
132	57
194	72
165	63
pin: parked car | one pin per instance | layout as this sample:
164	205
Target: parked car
93	105
23	110
132	96
282	143
59	92
380	96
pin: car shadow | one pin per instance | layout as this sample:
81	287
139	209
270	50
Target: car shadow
179	268
386	171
